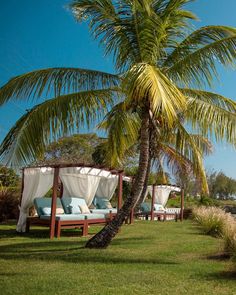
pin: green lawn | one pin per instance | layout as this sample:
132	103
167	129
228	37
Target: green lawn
145	258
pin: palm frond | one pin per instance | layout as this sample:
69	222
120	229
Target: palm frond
210	97
50	120
133	31
57	81
110	21
194	60
211	119
173	160
122	126
147	83
183	140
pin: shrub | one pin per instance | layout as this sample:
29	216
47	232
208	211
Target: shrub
9	201
229	236
211	219
206	201
217	222
8	177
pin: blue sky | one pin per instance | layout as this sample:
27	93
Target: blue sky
40	34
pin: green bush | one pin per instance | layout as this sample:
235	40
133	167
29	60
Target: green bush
9	201
207	201
8	177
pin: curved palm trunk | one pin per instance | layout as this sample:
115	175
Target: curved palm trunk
143	194
103	238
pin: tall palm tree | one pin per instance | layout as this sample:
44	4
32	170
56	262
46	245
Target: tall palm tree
161	71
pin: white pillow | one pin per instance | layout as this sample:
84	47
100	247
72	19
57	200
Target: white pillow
158	207
84	209
47	211
74	210
60	211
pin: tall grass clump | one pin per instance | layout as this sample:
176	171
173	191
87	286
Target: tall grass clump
229	236
212	220
218	223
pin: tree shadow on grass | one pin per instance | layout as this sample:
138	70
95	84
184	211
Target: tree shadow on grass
43	233
222	276
72	252
219	257
196	230
40	233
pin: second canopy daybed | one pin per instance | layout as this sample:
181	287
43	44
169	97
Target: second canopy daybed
79	183
160	195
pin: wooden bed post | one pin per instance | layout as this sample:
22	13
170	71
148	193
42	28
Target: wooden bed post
54	202
120	190
182	205
131	216
153	200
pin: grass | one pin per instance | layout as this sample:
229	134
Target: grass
145	258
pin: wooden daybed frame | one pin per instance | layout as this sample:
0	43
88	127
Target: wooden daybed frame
57	225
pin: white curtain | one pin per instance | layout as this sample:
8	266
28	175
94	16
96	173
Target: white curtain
80	182
162	193
37	182
107	187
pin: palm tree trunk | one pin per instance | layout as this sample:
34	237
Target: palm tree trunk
143	194
103	238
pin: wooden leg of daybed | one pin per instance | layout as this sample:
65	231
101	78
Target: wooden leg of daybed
58	229
85	229
27	225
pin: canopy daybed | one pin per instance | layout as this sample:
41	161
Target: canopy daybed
79	185
160	195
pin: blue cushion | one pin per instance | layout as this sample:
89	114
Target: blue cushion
71	205
102	203
41	203
145	207
75	217
94	201
95	216
104	211
65	217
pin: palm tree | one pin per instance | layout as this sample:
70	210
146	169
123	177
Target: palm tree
161	71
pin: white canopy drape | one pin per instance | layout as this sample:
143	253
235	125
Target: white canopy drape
162	193
85	182
37	182
107	187
79	183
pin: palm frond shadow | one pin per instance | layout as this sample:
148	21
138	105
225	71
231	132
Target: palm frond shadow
71	252
221	275
37	233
